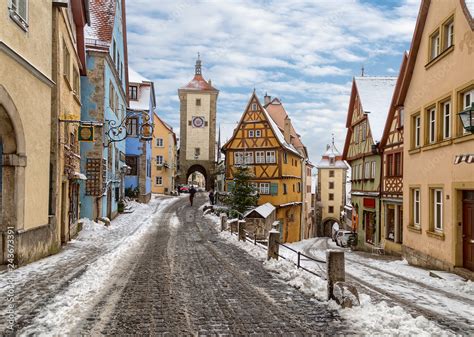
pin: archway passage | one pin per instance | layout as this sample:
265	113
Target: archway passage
197	175
327	226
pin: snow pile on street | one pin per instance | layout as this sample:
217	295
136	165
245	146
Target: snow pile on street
252	249
380	319
68	308
298	278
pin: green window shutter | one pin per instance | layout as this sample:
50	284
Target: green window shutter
273	189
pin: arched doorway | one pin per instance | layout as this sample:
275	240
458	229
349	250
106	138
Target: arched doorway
12	165
327	226
198	174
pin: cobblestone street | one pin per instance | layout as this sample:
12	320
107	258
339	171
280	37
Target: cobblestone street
186	281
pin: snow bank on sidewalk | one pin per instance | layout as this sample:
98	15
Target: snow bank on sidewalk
68	308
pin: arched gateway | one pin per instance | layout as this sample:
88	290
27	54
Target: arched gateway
198	108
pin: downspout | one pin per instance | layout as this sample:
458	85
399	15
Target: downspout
303	200
379	236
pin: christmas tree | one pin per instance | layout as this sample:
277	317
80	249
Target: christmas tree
243	195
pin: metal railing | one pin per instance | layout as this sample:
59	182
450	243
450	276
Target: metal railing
256	242
298	261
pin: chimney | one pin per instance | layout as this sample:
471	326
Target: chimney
287	130
210	82
267	99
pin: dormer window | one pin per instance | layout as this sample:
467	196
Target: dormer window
254	107
133	90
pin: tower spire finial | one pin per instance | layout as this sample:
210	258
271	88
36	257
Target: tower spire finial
198	70
333	140
362	71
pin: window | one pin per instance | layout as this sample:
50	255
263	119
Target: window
374	170
367	170
133	91
437	215
132	127
264	188
331	173
298	187
75	82
331	209
398	165
271	157
159	180
356	134
248	157
159	160
331	185
416	207
254	106
19	12
432	125
434	45
285	189
468	100
197	152
389	168
66	62
285	157
260	157
331	196
401	116
251	133
159	142
364	131
361	172
258	133
448	34
132	161
417	130
198	102
238	158
447	120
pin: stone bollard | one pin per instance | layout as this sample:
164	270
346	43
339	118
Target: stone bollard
335	270
241	229
273	237
223	217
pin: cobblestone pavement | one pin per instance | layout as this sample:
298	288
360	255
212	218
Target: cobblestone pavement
36	284
186	281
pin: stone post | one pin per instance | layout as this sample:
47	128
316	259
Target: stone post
273	237
241	229
223	217
335	269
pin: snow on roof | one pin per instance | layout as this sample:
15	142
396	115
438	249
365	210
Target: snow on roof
264	210
326	163
199	83
102	16
134	77
375	95
278	134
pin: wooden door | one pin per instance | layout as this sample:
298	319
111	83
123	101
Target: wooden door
369	227
468	232
109	203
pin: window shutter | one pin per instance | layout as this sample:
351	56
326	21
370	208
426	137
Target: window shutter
274	189
230	186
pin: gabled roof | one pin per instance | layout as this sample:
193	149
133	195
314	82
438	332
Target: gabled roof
375	95
276	130
278	113
134	77
264	210
102	17
395	100
166	125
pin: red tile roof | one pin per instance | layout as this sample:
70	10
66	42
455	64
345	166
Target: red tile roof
199	83
102	16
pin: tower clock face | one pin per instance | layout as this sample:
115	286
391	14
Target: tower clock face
198	122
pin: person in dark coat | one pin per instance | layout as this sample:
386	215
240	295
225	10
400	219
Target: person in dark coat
192	192
211	196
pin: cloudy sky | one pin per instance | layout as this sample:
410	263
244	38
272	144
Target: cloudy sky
303	51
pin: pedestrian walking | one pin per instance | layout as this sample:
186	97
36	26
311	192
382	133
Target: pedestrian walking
211	196
192	192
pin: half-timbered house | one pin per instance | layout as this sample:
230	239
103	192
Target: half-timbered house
391	147
368	107
258	143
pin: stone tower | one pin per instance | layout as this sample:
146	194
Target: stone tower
198	107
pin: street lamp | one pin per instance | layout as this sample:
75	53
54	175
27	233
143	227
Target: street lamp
467	118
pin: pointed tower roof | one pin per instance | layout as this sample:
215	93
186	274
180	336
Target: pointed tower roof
332	158
198	82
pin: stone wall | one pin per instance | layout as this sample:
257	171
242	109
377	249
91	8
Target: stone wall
417	258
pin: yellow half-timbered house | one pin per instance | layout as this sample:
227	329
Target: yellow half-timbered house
276	164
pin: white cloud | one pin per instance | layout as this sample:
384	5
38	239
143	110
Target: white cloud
303	51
